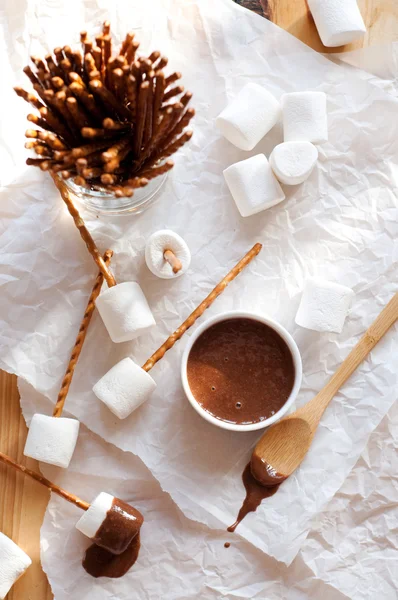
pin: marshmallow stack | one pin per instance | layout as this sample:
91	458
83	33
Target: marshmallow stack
304	117
124	388
324	305
293	162
13	564
158	243
125	311
249	117
338	22
52	439
253	185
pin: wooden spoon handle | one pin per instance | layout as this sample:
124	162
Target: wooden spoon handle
387	318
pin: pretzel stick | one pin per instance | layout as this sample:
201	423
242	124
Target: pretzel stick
87	100
177	129
31	98
162	63
7	460
126	43
198	312
131	50
148	127
76	112
156	171
175	91
81	336
84	232
173	261
160	85
141	112
109	99
29	73
89	149
176	145
172	78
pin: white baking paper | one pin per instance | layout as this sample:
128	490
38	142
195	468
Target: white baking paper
351	551
342	224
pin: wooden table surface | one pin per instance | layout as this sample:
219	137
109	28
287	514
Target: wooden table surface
22	502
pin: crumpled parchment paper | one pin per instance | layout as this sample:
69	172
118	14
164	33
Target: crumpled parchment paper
184	560
342	223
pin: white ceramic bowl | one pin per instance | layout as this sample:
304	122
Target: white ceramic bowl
285	335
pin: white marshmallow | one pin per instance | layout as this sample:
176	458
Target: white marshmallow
253	185
338	22
293	162
93	518
324	305
124	388
158	243
246	120
305	117
13	564
125	311
52	439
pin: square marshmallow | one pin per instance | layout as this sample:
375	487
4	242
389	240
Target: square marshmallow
324	305
305	117
13	564
253	185
125	311
338	22
124	388
52	439
249	117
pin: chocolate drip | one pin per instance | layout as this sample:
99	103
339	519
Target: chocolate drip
255	494
99	562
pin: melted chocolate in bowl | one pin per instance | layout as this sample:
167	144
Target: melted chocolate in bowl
241	371
116	543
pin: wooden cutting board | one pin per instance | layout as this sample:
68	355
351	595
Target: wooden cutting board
22	502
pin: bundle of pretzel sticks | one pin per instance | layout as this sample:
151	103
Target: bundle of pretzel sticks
109	121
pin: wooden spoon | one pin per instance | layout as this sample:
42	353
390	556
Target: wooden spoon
284	445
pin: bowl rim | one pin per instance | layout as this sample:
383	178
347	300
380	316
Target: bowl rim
284	334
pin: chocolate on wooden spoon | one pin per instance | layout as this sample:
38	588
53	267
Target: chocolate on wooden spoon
282	448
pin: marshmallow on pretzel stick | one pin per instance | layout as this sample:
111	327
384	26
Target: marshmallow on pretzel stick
127	385
167	255
123	308
53	439
105	510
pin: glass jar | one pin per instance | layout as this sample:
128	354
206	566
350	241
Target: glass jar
105	203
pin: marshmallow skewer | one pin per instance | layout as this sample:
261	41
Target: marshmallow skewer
53	439
115	534
77	348
167	255
84	232
198	312
45	482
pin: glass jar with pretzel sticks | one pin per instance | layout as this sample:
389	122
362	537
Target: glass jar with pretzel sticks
101	201
108	121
